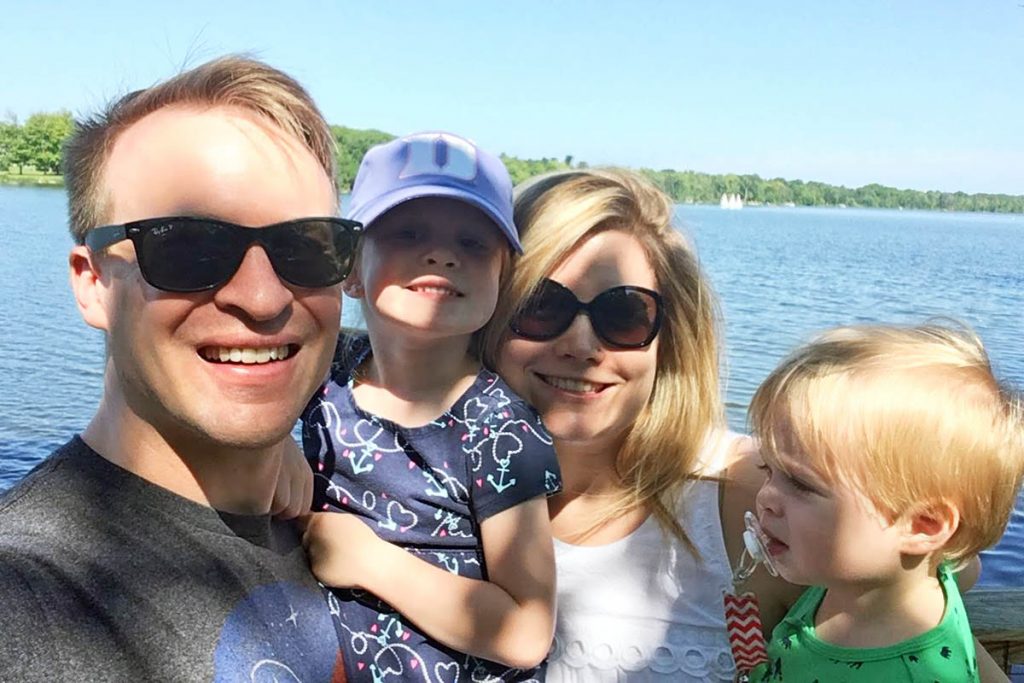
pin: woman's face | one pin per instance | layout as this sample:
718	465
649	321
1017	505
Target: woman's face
586	392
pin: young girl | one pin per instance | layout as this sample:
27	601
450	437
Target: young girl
446	559
893	455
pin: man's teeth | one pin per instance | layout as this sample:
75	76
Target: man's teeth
571	384
246	356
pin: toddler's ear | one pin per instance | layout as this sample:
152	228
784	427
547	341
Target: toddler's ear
352	286
929	526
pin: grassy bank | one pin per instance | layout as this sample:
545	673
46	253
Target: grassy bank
32	179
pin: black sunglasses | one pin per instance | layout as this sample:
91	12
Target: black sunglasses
186	254
623	317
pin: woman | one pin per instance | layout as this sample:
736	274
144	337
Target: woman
651	515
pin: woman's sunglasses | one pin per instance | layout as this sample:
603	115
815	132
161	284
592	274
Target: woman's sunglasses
185	254
623	317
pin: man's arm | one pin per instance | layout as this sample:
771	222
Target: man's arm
28	648
293	494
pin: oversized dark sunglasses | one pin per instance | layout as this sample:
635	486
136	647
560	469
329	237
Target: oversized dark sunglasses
623	317
187	254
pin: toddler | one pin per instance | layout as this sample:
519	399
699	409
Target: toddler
892	455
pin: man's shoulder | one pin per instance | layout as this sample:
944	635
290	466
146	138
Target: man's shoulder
41	490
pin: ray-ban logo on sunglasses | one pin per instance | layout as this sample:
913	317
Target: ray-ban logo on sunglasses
440	154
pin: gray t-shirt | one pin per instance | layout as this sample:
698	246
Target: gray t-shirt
107	577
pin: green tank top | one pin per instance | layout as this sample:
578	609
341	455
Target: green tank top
945	653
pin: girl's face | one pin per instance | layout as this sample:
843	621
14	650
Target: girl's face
822	533
586	392
429	267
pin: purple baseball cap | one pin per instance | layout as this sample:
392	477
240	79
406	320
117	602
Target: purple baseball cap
433	164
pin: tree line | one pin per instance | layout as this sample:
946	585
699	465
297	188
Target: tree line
36	145
691	186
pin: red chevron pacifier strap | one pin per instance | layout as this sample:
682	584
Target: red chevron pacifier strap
742	613
743	622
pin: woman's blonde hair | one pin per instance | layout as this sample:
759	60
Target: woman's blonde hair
230	81
555	214
909	416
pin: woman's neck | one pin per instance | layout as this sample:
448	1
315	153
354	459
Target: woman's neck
413	384
590	488
884	613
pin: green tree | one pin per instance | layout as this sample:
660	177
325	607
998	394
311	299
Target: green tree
353	143
9	133
43	136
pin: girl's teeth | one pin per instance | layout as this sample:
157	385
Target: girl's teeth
246	356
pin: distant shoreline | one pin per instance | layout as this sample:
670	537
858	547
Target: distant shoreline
34	150
56	182
31	180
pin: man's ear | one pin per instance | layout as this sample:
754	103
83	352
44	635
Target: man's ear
89	291
929	526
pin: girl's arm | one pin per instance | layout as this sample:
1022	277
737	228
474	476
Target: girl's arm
507	619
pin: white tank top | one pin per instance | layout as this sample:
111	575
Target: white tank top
643	608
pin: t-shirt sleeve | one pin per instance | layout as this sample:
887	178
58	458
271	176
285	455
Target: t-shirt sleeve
512	459
27	643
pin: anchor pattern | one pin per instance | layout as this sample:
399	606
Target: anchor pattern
426	489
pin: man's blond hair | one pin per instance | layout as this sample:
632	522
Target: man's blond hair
231	81
909	416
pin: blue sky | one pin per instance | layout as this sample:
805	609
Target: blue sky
925	94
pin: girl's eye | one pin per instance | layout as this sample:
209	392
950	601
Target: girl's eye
471	244
399	233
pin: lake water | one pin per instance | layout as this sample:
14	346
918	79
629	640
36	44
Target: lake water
782	273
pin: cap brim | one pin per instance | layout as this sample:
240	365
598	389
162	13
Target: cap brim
370	212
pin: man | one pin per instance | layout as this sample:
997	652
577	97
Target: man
143	549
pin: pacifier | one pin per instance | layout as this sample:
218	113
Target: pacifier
742	613
755	550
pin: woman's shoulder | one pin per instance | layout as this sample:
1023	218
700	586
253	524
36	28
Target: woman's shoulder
723	449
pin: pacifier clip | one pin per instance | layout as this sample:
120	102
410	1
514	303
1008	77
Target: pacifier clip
742	613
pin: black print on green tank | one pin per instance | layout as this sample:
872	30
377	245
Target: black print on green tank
774	671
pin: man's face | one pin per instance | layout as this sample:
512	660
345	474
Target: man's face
222	163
